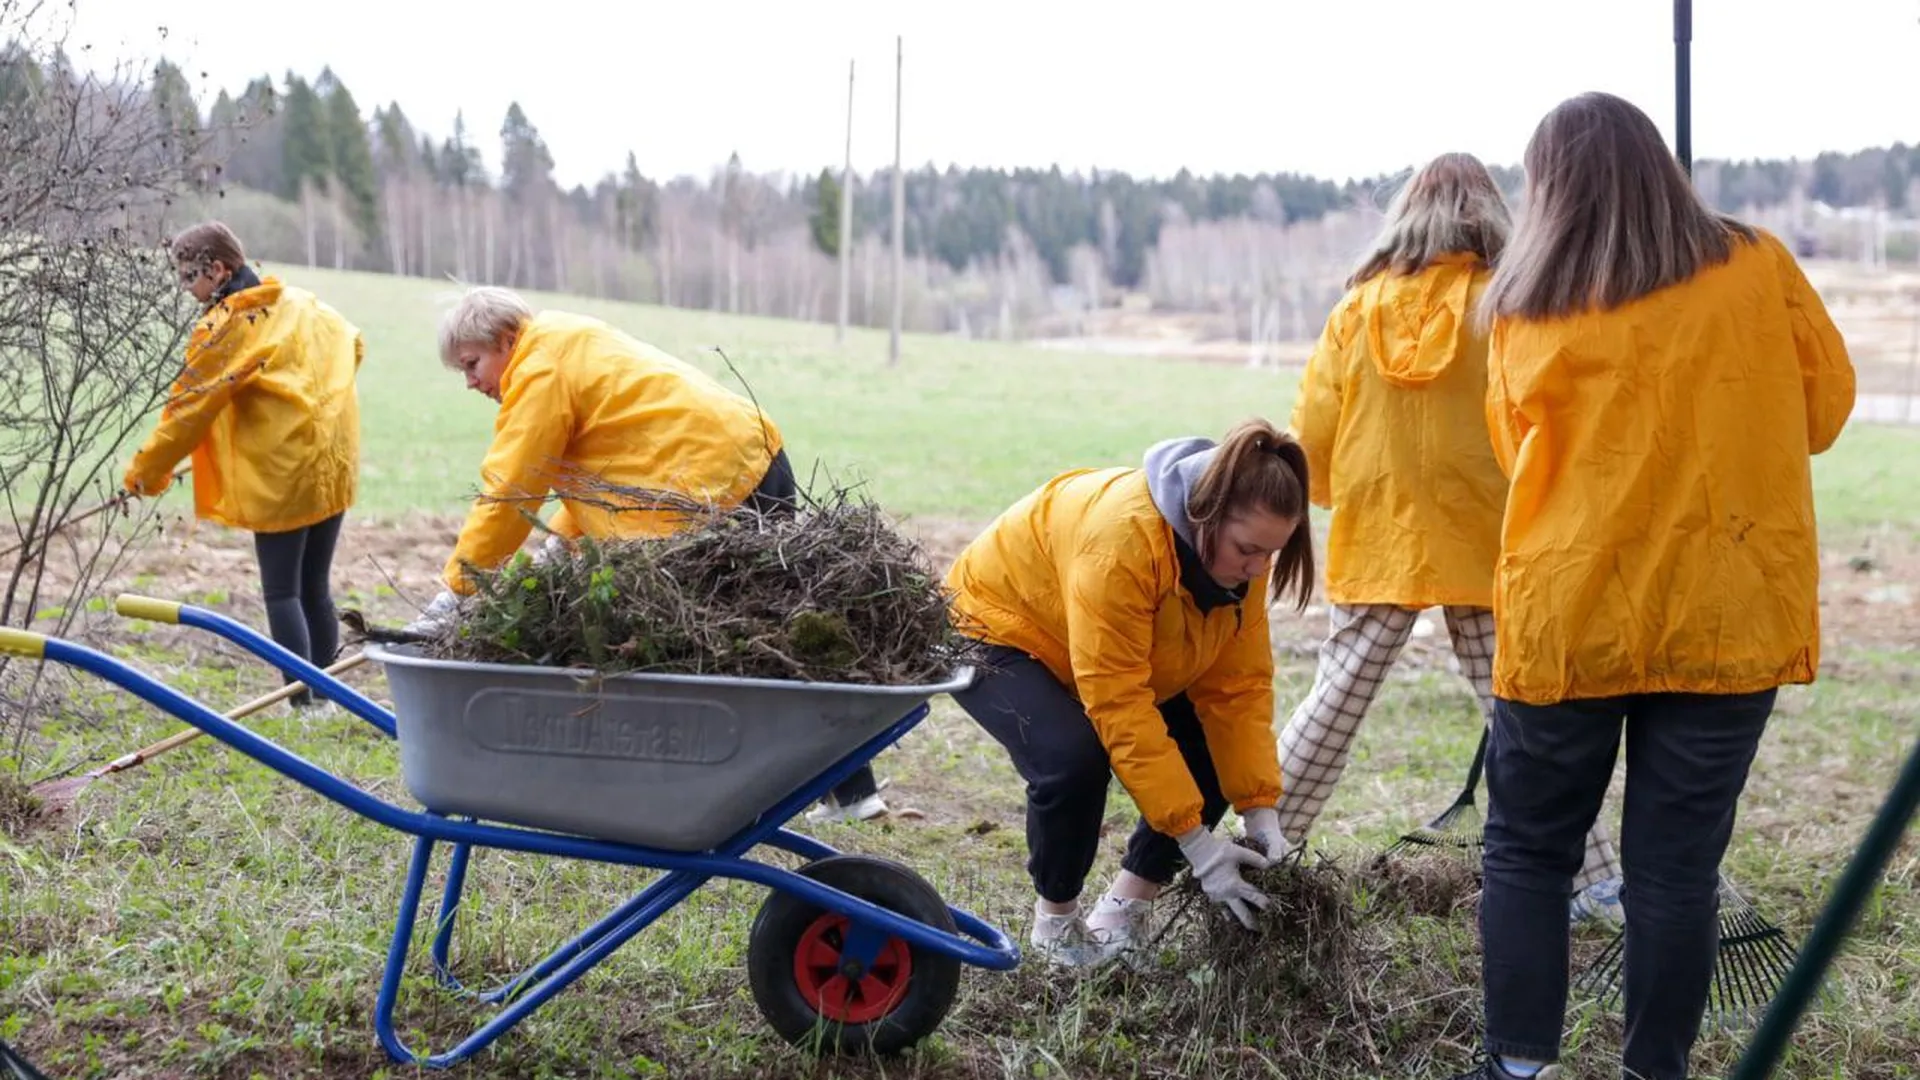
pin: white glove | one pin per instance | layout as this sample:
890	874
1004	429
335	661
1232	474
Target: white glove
1216	866
437	617
1263	828
553	547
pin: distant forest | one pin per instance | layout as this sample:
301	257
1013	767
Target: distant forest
307	176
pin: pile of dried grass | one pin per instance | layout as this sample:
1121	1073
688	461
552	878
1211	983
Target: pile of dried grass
832	594
1343	976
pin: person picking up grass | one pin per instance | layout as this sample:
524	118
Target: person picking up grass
1125	614
588	412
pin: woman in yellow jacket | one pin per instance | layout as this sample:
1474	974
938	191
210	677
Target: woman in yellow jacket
586	410
267	408
1392	413
1660	376
1126	610
593	415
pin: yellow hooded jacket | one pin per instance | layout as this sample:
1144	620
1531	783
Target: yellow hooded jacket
1659	535
266	406
1392	413
1083	575
581	401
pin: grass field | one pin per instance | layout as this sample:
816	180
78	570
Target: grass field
204	917
957	428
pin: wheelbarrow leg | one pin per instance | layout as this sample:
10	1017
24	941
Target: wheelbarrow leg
641	911
449	912
540	982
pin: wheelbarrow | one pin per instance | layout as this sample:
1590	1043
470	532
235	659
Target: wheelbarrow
676	773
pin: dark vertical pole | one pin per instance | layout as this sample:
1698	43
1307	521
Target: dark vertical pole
1683	83
1850	894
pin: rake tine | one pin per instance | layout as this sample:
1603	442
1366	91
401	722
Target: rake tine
1601	979
1447	829
1750	963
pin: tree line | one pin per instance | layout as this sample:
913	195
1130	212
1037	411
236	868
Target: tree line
309	176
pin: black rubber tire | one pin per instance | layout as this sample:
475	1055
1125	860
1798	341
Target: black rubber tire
931	985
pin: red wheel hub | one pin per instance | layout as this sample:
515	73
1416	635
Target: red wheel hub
817	969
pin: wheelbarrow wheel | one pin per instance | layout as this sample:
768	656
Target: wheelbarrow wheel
794	964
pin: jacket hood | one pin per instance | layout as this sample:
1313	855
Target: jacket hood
1417	324
1173	468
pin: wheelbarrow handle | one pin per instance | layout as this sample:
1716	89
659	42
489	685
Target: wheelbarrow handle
153	609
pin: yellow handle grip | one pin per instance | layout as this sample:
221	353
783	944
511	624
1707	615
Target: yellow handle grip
146	607
22	642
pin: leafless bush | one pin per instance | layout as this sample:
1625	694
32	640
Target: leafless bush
92	318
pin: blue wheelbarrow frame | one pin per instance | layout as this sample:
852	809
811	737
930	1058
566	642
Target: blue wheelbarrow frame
869	925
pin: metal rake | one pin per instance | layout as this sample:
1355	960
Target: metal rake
1753	960
1459	826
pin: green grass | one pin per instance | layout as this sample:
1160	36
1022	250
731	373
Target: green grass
202	916
957	428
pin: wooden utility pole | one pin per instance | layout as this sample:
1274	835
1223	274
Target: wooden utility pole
899	208
846	216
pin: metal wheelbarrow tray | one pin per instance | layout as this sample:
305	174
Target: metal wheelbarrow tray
680	774
680	762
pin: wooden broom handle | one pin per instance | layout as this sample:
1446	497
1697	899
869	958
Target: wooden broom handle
181	738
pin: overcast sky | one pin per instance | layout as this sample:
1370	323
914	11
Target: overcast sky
1330	87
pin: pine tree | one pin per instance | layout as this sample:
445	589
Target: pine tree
305	152
173	104
825	219
350	156
526	167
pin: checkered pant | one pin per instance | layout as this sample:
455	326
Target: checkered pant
1364	643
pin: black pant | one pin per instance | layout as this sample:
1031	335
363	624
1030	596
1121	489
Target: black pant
1054	747
1547	773
296	570
778	493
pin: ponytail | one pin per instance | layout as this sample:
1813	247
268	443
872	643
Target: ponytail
1259	468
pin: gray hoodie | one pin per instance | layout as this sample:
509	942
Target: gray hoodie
1173	467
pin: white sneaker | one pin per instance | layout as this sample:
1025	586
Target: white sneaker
1119	927
866	809
1599	902
1063	940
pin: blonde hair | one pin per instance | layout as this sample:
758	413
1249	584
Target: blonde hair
484	315
1451	205
1610	216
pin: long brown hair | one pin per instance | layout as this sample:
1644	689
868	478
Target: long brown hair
1610	216
1450	205
1258	467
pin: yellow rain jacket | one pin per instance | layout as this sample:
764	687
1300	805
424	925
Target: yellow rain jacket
580	399
267	407
1659	534
1083	575
1392	413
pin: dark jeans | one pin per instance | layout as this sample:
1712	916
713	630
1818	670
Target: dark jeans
1054	747
296	570
1547	773
778	493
